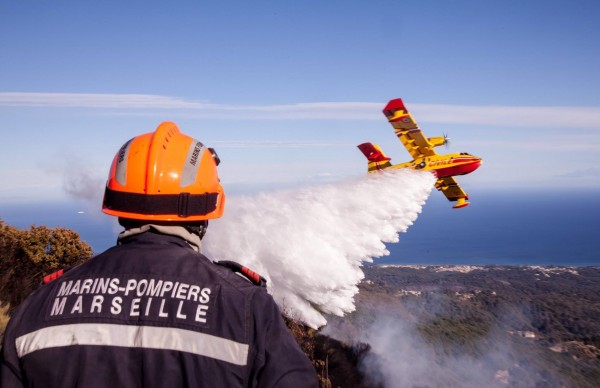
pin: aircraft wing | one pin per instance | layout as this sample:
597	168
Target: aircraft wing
407	130
450	188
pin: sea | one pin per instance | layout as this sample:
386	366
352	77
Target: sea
541	227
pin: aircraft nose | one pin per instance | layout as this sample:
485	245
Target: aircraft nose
475	163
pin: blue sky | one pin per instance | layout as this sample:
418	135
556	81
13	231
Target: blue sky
285	90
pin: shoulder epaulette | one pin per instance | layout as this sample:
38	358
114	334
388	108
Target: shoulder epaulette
254	278
56	275
53	276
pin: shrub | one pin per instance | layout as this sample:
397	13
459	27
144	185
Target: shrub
26	256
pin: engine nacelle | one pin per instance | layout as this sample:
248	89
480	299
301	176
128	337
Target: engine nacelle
438	141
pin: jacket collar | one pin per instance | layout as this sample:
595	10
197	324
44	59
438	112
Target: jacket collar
191	239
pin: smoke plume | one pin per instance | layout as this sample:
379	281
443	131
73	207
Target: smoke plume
310	242
400	357
81	180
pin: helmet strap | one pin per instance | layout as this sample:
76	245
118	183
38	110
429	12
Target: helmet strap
198	228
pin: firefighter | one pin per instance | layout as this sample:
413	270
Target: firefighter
153	311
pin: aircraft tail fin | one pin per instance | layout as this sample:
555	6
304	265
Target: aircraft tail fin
377	159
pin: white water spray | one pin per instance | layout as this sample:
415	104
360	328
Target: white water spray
311	242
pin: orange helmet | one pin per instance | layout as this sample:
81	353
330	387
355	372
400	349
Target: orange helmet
164	176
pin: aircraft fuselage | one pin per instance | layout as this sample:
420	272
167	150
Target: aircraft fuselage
444	165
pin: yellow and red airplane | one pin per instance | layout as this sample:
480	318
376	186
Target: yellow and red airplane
421	148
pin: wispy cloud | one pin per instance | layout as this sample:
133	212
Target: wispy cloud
511	116
502	116
276	144
99	101
580	144
313	110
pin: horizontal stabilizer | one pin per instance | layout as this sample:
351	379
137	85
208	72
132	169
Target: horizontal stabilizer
373	152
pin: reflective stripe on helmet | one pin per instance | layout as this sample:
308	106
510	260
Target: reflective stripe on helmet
192	163
121	170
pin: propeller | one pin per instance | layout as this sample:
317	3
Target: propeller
446	140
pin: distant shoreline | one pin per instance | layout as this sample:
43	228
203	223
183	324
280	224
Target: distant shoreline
472	267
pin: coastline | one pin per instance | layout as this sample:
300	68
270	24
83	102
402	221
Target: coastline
466	268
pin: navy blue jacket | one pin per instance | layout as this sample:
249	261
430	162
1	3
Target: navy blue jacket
151	313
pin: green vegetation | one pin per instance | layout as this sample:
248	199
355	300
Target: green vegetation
534	326
26	256
556	304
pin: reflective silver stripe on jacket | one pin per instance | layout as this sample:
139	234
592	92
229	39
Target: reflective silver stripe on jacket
147	337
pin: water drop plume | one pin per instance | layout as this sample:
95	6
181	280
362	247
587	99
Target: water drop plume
310	242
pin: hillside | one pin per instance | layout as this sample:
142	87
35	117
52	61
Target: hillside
426	326
472	326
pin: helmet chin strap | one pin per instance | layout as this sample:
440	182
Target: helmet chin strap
197	228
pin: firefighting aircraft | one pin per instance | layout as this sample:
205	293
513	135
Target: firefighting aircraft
421	148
